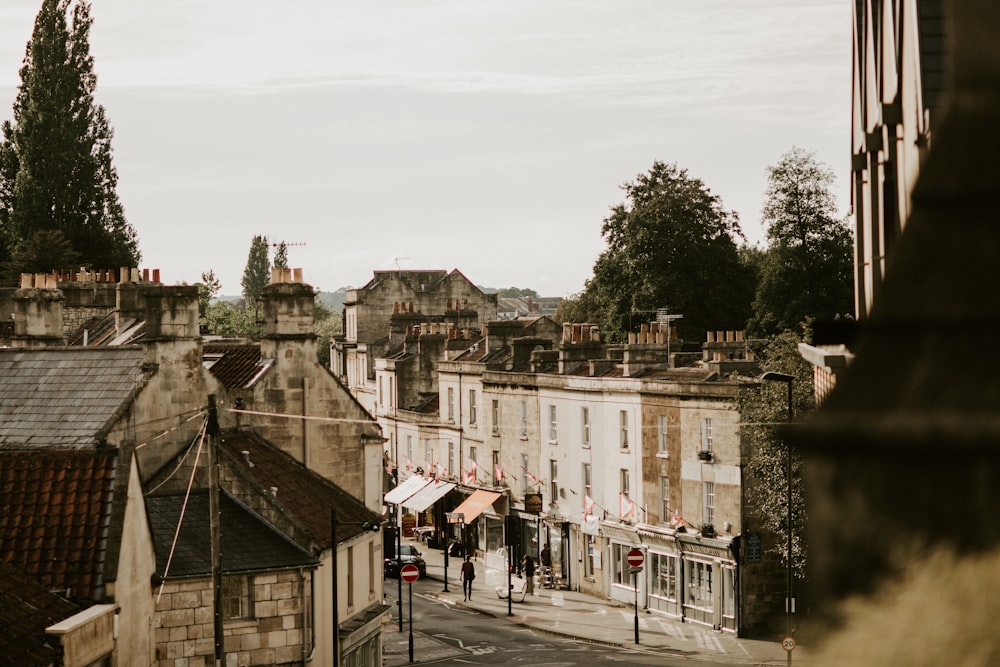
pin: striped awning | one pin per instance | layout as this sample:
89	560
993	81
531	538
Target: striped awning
405	489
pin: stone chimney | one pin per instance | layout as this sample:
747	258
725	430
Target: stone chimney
38	312
289	309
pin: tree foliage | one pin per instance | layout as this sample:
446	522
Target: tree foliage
56	170
281	256
257	273
517	293
763	412
807	268
670	245
208	289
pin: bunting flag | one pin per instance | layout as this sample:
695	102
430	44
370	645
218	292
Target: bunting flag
409	465
529	474
498	472
390	467
626	508
588	506
442	472
676	520
469	476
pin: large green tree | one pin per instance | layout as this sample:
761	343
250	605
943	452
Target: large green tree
56	170
671	245
807	269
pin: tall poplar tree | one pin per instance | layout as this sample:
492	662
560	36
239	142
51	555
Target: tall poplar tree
257	272
57	178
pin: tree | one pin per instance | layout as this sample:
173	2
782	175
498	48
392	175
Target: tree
517	293
670	245
763	412
281	256
56	170
807	268
257	273
208	289
39	253
328	325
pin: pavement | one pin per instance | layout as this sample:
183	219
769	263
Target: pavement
571	615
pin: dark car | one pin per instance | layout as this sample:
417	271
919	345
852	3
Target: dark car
409	555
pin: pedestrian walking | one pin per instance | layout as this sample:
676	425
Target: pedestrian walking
529	573
468	574
546	556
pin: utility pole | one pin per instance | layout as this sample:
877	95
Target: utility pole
215	527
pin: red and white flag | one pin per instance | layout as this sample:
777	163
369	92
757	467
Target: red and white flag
469	476
588	506
626	508
409	465
498	472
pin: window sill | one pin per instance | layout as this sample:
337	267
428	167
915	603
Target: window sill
553	442
240	622
662	455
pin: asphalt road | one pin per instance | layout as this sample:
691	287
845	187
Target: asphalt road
445	634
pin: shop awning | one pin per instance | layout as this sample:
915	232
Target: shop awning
427	496
476	504
406	489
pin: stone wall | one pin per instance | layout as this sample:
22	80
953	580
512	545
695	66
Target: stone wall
184	627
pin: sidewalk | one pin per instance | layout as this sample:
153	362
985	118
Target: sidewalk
578	616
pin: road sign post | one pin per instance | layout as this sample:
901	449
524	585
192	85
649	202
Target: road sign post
635	559
409	573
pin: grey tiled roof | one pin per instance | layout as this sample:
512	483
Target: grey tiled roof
64	397
248	542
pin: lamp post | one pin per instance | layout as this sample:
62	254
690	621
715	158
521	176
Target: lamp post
789	600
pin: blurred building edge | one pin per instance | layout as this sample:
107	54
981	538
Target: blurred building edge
904	453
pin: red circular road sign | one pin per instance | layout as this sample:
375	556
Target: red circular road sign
635	557
409	573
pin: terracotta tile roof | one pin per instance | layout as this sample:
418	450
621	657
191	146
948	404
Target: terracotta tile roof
64	397
26	609
54	511
234	365
307	495
248	542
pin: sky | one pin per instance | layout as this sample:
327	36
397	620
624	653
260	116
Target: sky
488	136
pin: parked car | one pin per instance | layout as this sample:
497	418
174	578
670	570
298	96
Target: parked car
409	554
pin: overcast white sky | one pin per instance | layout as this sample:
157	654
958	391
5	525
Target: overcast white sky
491	136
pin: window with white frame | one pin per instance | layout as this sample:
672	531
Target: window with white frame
623	429
588	562
709	516
585	426
451	458
698	579
524	474
586	476
451	404
664	570
350	576
553	431
472	406
524	418
495	416
706	434
554	481
661	434
409	448
623	481
664	499
428	459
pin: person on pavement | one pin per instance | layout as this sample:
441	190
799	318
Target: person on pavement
529	573
468	574
546	556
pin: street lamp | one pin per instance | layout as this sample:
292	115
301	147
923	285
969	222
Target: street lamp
789	600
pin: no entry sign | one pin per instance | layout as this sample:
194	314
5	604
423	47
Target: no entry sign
635	557
409	573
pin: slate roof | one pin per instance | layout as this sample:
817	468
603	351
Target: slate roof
55	506
234	365
248	542
65	397
26	609
307	495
